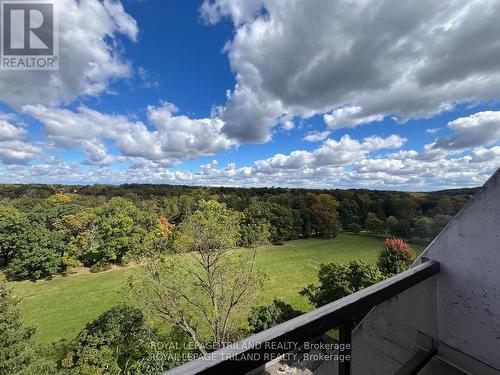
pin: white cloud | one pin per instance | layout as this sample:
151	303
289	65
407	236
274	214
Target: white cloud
239	10
479	129
331	153
15	147
287	125
482	154
315	136
349	117
17	152
433	130
9	132
174	138
402	59
297	169
348	150
89	56
184	138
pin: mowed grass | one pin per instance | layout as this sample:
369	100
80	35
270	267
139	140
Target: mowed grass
294	265
61	307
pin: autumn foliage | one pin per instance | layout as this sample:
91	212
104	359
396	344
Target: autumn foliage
395	257
165	227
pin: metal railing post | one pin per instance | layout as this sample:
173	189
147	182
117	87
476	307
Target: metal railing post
345	334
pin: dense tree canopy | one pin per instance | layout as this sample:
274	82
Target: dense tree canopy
48	229
114	343
265	317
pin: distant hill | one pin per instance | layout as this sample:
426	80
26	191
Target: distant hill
459	191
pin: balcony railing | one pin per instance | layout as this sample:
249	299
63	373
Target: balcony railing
255	351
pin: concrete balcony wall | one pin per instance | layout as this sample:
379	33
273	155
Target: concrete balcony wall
464	300
387	338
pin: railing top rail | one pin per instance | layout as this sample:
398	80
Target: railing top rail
234	358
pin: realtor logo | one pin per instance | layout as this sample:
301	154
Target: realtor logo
29	35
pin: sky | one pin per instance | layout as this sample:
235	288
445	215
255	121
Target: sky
379	94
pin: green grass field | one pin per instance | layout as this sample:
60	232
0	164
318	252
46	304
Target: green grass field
61	307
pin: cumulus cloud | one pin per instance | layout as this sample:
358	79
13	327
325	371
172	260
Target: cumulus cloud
297	169
89	56
331	153
348	150
349	117
356	61
15	147
17	152
479	129
482	154
183	138
171	139
9	132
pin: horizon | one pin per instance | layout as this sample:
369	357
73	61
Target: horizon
237	187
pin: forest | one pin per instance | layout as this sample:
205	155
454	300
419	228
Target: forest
45	230
190	288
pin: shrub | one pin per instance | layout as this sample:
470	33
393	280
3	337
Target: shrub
69	263
100	266
265	317
395	257
338	280
375	225
354	228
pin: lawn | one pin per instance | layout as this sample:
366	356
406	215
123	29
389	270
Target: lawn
61	307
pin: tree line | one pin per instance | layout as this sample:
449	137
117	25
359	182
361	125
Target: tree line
46	230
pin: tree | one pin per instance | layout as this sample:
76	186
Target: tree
204	289
337	280
392	224
281	219
354	228
324	213
122	229
423	227
439	222
395	257
403	229
255	234
79	233
118	234
265	317
13	225
40	258
111	344
374	224
348	211
18	354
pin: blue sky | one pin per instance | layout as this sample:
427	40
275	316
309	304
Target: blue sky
260	93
